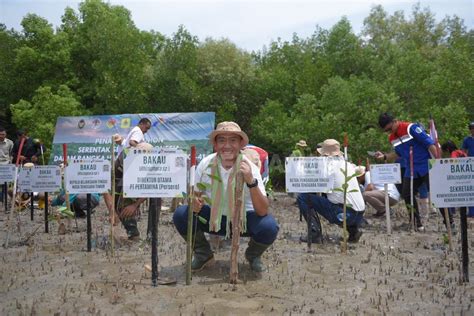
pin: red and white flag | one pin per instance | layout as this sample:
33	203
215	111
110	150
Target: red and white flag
434	137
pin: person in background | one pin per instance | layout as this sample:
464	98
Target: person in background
30	151
126	208
300	149
330	205
137	134
6	148
374	193
468	142
264	162
78	202
450	148
120	142
403	136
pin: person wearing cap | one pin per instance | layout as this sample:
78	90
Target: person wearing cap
300	149
137	134
218	173
119	141
30	151
468	142
402	136
374	193
330	205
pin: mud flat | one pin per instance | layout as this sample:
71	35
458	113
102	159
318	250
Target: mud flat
405	273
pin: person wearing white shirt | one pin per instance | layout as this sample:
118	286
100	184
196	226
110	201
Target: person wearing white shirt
218	173
137	134
330	205
374	195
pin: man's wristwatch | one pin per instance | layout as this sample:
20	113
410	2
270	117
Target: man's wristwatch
253	184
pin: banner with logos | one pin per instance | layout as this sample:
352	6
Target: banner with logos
89	137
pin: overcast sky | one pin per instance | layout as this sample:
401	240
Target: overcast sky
250	24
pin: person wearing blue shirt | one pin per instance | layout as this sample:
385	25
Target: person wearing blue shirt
468	142
403	136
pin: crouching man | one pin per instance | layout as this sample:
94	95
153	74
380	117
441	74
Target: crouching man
330	205
218	172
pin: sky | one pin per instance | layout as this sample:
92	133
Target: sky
250	24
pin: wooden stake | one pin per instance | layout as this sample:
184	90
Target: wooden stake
234	267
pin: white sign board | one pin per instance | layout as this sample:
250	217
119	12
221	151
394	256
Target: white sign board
452	182
157	173
7	173
46	179
385	174
24	179
88	176
307	175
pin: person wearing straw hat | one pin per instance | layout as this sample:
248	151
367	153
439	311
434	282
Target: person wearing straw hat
119	141
402	136
330	205
300	149
218	172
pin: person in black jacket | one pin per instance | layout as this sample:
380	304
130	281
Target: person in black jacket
30	152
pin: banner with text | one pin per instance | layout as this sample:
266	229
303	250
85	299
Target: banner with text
452	182
307	175
158	173
90	136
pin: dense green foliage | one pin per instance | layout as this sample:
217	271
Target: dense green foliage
331	83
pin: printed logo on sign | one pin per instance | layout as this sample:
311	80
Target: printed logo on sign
111	122
96	123
81	124
125	123
179	162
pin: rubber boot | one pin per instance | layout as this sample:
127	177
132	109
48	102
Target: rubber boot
130	225
203	255
316	230
354	234
253	255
